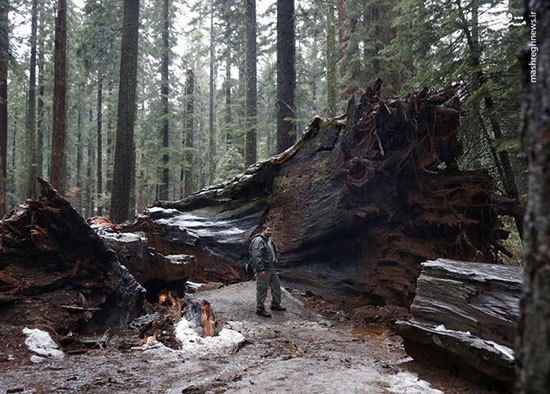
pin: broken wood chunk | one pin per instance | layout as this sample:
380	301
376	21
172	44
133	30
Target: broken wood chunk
464	317
56	272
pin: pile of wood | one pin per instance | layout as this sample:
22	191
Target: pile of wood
464	318
56	272
357	204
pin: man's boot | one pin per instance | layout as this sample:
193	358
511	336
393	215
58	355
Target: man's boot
263	313
278	308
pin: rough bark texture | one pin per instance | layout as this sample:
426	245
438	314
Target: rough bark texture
250	81
125	157
164	92
286	75
31	107
189	115
79	156
464	318
40	104
211	131
55	271
99	168
331	57
357	204
59	98
534	329
4	46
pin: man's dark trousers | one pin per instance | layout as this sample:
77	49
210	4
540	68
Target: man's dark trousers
270	280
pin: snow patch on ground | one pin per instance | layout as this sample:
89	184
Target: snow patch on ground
408	382
41	343
193	343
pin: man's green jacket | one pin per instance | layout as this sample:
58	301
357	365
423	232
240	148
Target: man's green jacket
262	256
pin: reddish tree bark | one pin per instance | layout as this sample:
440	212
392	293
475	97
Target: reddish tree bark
59	97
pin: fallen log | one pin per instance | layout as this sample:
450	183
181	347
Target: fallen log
464	318
357	204
155	272
56	272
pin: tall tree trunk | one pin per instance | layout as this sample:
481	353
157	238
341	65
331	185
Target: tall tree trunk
534	328
79	159
99	180
90	211
124	166
40	105
109	180
371	16
286	75
479	79
341	17
211	131
31	107
188	120
331	61
251	105
164	92
4	48
228	115
59	96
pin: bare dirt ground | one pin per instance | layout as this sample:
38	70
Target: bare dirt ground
296	351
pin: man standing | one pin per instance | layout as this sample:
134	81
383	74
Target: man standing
263	256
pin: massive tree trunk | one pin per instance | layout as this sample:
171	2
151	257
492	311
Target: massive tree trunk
125	158
331	56
534	329
357	204
40	104
99	174
189	130
164	92
31	108
286	75
251	105
90	198
4	48
211	131
59	98
79	149
109	180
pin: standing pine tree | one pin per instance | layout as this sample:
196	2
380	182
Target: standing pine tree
164	92
331	58
250	81
188	133
211	130
4	48
59	98
124	165
31	108
286	75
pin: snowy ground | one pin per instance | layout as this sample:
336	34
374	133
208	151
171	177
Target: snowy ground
296	351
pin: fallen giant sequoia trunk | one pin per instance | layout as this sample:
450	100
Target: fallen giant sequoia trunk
56	272
357	204
464	317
